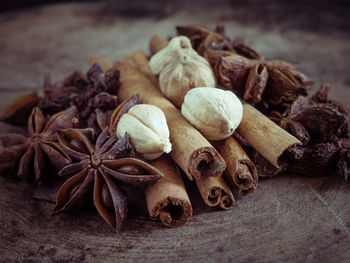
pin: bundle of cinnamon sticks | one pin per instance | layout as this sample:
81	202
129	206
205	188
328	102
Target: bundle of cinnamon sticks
218	168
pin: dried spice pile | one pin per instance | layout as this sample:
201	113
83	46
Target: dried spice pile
71	133
280	91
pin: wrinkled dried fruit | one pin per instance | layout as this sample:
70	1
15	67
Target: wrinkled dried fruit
180	69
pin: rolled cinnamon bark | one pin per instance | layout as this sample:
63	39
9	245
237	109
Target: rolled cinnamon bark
215	191
139	61
191	151
168	198
266	137
157	43
240	170
260	132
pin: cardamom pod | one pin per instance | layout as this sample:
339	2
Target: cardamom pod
149	133
216	113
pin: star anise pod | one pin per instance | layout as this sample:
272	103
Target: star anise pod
241	69
270	82
27	156
232	72
94	91
61	95
19	110
343	165
214	44
101	166
322	125
285	83
256	83
325	120
291	126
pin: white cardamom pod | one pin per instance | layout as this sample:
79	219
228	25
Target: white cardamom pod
216	113
180	69
149	133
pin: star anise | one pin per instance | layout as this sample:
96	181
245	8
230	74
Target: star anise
255	83
343	165
19	110
232	72
325	120
318	160
266	82
241	69
101	166
322	125
291	126
285	83
27	156
214	44
94	91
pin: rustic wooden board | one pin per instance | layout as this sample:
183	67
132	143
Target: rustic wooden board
288	219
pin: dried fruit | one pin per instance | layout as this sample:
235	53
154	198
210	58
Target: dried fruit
180	69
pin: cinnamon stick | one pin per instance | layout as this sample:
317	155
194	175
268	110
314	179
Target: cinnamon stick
260	132
240	170
215	191
139	61
191	151
168	198
266	137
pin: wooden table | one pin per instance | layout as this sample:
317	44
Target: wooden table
287	219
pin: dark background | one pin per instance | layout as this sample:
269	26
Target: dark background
309	15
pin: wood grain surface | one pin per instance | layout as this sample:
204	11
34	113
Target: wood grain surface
289	218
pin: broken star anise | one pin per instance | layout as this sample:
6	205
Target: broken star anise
18	111
285	83
343	165
101	166
322	125
213	44
27	156
291	126
94	91
270	83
